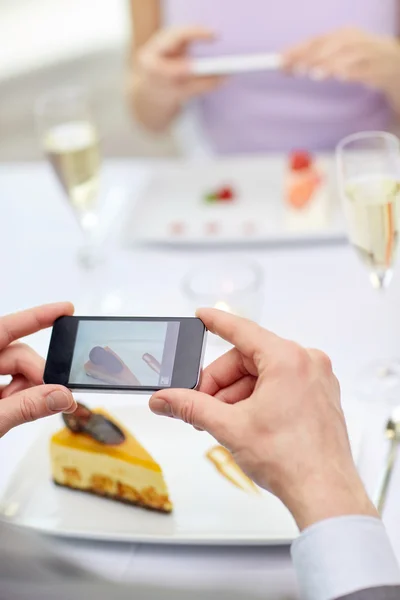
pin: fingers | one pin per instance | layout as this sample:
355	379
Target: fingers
332	55
299	56
175	40
238	391
231	378
18	383
248	337
325	53
164	57
21	359
336	62
352	65
199	410
225	371
21	324
163	69
34	403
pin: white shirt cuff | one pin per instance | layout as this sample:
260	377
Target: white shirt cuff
343	555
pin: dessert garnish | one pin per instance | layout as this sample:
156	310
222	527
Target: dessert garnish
225	464
98	427
222	194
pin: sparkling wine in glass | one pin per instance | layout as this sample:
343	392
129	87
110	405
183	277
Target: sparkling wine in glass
70	141
373	208
369	178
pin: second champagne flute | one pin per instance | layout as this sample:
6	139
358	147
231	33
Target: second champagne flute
369	178
70	141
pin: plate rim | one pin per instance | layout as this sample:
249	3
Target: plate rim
167	539
335	231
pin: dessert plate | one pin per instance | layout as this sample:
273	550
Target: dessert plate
173	207
208	509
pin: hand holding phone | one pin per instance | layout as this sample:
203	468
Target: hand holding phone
125	354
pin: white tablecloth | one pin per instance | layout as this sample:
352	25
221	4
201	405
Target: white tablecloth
319	296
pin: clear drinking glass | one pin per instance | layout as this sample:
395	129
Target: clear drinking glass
234	286
369	178
70	141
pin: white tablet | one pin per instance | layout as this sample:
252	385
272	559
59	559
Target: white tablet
229	65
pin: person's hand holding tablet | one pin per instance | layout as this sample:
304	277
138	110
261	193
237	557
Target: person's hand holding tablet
350	55
163	80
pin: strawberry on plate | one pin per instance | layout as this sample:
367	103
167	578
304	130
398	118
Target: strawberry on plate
226	194
300	160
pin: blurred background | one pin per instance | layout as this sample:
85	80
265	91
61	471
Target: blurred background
47	43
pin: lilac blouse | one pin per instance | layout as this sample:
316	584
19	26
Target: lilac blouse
271	111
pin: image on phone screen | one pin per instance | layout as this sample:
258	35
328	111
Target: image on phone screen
130	353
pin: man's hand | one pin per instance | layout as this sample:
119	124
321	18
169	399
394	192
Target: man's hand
276	407
25	399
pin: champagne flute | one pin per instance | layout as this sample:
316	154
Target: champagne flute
369	177
70	141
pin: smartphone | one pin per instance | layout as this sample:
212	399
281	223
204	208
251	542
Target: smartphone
125	354
231	65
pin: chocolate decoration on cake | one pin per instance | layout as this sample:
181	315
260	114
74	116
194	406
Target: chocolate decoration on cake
99	356
98	427
78	420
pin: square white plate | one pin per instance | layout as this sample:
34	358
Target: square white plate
175	195
207	508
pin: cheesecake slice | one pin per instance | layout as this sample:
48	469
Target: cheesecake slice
124	472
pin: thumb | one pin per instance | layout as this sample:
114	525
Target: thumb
34	403
200	410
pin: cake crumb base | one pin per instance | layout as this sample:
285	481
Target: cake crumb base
166	509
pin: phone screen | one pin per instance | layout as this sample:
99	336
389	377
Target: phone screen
124	353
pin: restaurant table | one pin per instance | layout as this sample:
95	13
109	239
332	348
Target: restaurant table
318	295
